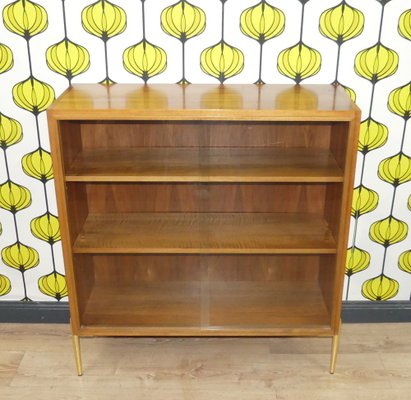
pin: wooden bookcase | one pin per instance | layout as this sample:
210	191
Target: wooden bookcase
204	210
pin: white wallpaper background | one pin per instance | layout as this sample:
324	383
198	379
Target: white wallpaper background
364	45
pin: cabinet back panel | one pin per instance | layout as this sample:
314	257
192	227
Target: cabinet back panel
124	198
97	134
126	269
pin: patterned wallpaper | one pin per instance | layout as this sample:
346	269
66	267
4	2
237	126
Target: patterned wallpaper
364	45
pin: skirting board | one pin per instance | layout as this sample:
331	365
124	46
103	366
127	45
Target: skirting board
352	312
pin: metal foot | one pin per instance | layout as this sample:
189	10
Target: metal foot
77	354
334	351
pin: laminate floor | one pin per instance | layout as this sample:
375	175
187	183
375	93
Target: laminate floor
36	362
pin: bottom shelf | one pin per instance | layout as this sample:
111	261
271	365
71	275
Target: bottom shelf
206	308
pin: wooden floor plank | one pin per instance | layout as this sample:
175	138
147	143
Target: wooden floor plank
9	363
370	365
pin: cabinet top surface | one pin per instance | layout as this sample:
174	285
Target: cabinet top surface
204	102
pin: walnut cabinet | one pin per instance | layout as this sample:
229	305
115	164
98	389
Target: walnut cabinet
204	210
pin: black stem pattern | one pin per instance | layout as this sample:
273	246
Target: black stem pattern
373	83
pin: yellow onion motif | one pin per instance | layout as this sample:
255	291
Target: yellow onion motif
46	227
14	197
183	20
33	95
25	18
10	131
350	92
299	62
388	231
68	59
380	288
6	58
5	285
364	201
145	60
357	260
376	63
222	61
373	135
20	257
399	101
404	262
104	19
262	22
341	23
53	285
396	169
38	165
404	25
409	203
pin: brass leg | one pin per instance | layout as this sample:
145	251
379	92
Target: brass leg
334	350
77	354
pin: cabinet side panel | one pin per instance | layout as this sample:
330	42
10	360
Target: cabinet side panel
84	272
77	208
327	276
70	141
346	203
337	212
58	168
332	208
339	142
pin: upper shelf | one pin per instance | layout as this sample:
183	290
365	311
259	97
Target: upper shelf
205	102
178	164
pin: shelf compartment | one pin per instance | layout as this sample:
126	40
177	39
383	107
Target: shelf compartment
204	210
207	308
205	233
213	164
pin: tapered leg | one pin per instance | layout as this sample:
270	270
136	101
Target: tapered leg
77	354
334	351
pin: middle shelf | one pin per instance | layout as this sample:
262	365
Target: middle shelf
205	233
204	164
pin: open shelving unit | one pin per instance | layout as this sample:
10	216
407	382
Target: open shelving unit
204	210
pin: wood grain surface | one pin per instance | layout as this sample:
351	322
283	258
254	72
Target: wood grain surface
176	164
204	171
206	308
204	102
209	233
36	362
